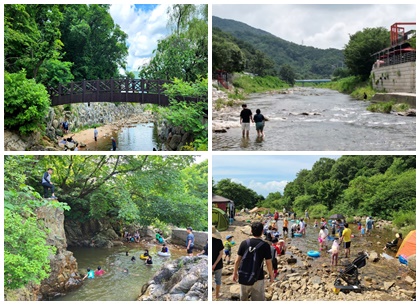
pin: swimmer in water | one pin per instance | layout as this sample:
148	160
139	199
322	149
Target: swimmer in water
133	259
149	260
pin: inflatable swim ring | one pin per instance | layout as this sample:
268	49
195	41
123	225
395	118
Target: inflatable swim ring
164	254
298	234
143	257
313	253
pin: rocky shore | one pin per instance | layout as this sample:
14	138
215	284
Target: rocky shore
309	279
184	279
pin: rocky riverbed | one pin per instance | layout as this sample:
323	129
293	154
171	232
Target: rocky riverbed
312	279
184	279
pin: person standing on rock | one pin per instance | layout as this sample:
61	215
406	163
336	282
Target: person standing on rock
47	184
114	144
217	262
95	134
245	120
66	126
190	241
248	269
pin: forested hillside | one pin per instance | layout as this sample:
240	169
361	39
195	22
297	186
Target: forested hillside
307	62
380	186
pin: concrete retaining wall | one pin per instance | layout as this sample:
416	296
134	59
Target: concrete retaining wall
179	236
395	78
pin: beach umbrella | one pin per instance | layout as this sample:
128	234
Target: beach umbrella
337	216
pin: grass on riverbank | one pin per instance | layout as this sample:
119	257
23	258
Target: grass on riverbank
256	84
387	107
352	85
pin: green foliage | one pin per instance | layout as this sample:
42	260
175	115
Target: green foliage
318	211
25	103
359	92
31	36
188	115
361	46
383	107
125	189
241	195
345	85
183	54
287	74
258	84
262	49
25	252
87	32
404	220
54	72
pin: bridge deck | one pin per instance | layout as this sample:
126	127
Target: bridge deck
114	90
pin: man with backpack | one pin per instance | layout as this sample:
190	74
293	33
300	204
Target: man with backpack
248	269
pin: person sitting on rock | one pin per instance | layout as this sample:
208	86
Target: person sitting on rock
90	274
149	260
395	244
99	271
164	248
137	237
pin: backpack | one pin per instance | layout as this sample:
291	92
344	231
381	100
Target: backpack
249	271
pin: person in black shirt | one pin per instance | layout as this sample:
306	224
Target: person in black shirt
263	252
217	262
245	119
259	120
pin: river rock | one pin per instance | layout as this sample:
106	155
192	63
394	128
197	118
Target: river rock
181	280
411	262
388	285
246	230
235	291
409	279
175	141
373	256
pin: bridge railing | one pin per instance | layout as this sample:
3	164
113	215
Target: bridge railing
113	90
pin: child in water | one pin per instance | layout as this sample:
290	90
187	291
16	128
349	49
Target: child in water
146	253
149	260
133	259
334	253
164	249
90	274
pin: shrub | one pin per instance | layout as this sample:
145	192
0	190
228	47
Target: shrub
25	103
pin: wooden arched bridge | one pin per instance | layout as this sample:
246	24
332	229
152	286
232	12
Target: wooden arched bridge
142	91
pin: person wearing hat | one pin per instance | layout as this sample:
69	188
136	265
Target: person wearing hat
228	248
190	241
395	244
217	262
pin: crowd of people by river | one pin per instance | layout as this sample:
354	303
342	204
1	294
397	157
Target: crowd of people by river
268	242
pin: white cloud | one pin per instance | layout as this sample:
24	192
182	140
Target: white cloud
267	187
144	29
321	26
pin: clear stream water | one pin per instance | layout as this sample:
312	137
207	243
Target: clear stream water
343	124
141	137
116	285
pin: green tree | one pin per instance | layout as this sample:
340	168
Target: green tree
31	36
362	44
25	103
89	30
287	74
26	256
242	196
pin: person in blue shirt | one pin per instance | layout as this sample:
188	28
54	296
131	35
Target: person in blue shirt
114	144
190	241
90	274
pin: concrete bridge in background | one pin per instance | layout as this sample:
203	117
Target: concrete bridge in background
312	81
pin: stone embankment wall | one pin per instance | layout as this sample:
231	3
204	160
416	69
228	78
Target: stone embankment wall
83	115
395	78
179	236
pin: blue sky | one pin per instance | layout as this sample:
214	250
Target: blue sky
145	24
264	173
318	25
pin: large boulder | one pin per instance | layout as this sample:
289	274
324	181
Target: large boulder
185	279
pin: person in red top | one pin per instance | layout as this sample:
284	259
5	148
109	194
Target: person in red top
276	216
99	271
